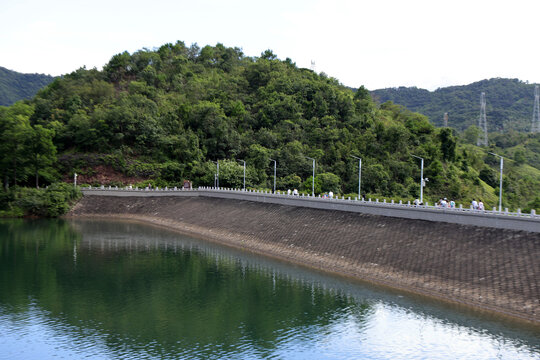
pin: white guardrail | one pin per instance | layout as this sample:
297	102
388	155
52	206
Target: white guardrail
369	202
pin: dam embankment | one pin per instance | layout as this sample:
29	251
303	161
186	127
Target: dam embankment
489	268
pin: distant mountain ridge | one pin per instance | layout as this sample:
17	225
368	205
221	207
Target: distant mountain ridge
16	86
509	103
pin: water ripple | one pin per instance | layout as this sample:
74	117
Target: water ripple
136	293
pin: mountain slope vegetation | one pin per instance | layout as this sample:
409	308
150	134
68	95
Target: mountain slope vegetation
165	115
509	103
15	86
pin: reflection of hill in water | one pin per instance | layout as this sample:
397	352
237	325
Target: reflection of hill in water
136	285
142	290
149	238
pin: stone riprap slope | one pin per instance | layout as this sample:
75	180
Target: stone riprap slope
492	269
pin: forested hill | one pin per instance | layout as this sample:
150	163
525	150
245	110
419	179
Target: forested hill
509	103
165	115
15	86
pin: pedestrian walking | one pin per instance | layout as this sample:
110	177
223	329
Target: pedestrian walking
480	205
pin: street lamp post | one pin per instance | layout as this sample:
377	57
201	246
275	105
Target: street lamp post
500	181
313	177
421	178
244	174
359	174
75	179
275	165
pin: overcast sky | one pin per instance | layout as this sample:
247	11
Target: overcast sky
375	43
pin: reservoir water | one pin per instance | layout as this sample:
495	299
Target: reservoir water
118	290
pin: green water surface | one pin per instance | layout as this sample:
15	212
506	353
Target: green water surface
108	289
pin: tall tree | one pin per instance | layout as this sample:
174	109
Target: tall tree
40	151
14	128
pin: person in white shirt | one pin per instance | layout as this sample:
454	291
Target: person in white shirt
480	205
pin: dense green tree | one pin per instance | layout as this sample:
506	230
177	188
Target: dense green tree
519	157
471	134
448	144
290	182
327	182
41	152
375	178
489	177
14	131
168	114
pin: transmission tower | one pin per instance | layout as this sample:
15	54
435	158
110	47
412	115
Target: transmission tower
312	65
535	128
482	122
445	119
